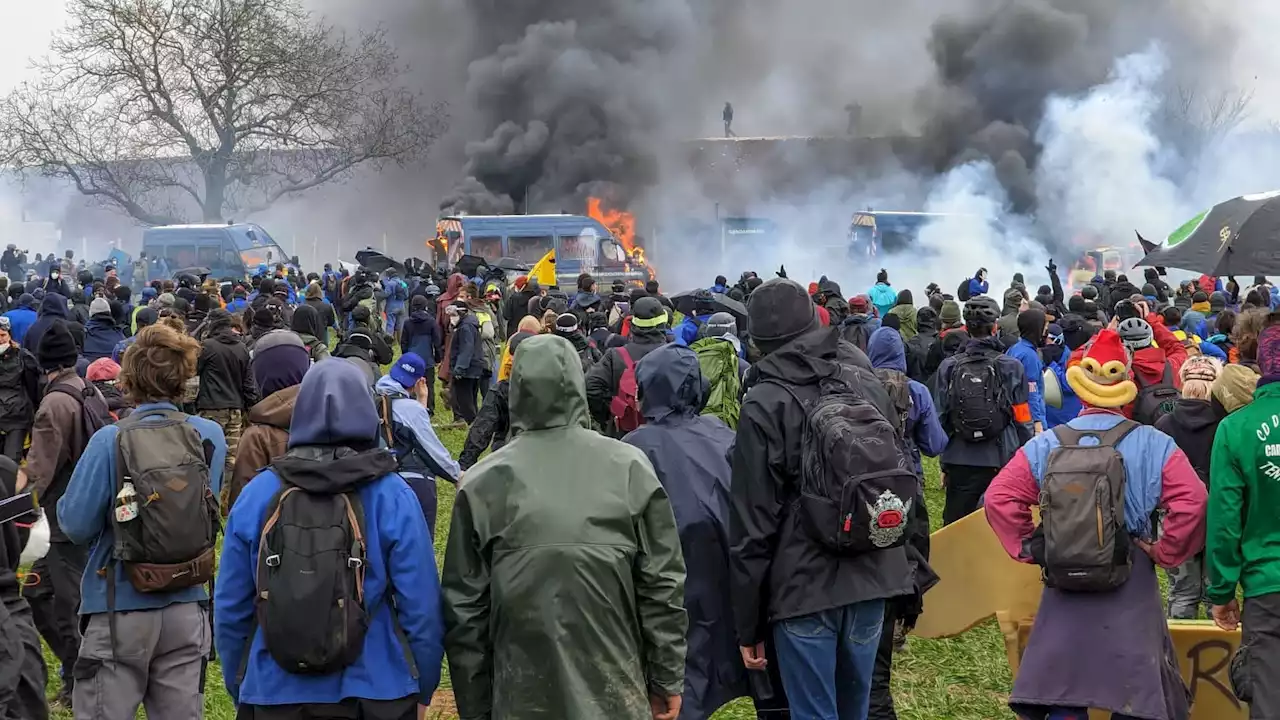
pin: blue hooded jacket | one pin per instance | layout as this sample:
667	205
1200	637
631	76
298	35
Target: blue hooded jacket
52	309
689	453
924	431
884	297
101	337
1033	369
21	318
977	287
397	293
686	333
334	410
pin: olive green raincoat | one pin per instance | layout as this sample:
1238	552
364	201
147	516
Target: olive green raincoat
563	578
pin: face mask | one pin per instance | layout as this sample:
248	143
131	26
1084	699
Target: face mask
4	348
53	276
454	320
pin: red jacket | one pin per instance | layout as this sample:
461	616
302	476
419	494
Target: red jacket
824	317
1148	363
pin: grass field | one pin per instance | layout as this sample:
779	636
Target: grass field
964	678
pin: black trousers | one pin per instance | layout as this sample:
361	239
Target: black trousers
463	392
12	446
881	697
430	377
966	484
349	709
55	601
1260	623
22	668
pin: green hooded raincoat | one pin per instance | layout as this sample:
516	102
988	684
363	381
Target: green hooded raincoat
563	578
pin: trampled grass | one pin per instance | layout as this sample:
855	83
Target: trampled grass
964	678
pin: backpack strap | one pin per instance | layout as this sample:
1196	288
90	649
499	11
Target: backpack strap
1069	436
627	362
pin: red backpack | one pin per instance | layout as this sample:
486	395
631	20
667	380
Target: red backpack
625	406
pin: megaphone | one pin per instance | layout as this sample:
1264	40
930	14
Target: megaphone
1052	390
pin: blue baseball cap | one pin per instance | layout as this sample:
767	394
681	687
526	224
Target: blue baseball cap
408	369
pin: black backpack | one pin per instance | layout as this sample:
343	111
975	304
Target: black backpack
856	485
962	292
310	580
978	410
1156	400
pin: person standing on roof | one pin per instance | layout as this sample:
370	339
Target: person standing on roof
727	116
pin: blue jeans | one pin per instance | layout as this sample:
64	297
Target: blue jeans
393	321
826	660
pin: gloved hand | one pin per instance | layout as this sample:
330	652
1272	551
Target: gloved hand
782	271
1052	267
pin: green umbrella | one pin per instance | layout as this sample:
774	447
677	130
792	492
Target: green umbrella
1238	237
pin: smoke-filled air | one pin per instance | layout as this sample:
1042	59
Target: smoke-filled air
1068	125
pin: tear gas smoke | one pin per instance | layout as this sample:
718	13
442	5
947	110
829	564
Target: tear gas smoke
1038	111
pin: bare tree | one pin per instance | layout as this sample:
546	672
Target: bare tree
172	108
1195	119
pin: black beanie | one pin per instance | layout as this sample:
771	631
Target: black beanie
57	348
892	321
779	311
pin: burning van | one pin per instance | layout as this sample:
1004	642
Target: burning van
582	244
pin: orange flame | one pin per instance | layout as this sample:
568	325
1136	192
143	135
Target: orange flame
620	222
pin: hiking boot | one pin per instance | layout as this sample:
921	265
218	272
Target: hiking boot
62	699
899	636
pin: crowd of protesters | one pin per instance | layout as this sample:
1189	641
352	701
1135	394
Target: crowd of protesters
658	509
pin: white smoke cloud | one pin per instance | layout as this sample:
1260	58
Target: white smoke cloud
1099	173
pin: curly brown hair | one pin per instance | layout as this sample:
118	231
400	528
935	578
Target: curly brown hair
1248	325
157	366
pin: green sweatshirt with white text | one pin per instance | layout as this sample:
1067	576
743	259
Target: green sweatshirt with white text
1243	542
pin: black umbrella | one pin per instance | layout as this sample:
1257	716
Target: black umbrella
511	264
197	272
688	301
376	261
469	265
1238	237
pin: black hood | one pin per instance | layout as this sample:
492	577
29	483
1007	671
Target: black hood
926	321
53	305
806	359
328	469
1195	414
830	288
1031	326
306	319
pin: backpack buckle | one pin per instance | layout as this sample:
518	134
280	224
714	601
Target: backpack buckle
355	563
273	561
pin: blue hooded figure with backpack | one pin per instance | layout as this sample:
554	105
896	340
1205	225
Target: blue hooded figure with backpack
397	294
279	599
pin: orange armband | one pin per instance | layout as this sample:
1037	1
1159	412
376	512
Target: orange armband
1022	413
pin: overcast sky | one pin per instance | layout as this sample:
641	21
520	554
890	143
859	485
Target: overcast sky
25	29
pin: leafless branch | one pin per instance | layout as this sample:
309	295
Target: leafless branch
169	108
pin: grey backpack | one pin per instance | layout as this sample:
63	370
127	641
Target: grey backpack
166	539
1086	545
